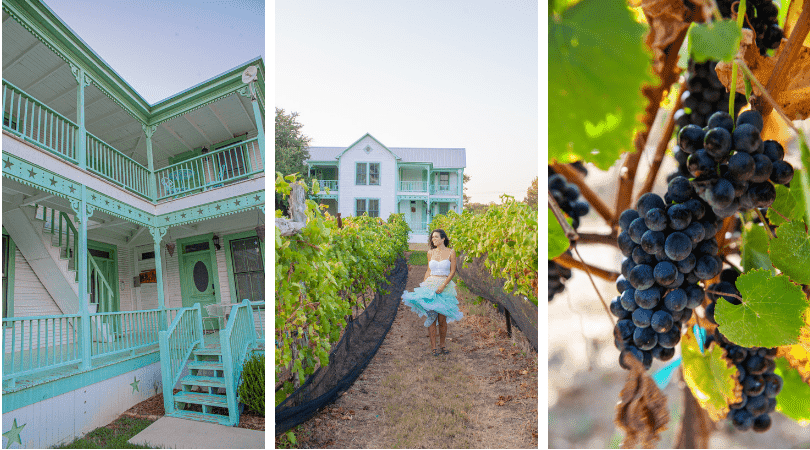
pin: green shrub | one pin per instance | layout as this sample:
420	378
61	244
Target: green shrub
251	390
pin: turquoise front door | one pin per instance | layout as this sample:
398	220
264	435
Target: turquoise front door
199	282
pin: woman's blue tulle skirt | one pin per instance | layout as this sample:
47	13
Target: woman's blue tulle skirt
427	303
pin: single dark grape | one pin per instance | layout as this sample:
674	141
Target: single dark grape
647	298
721	194
680	189
679	217
746	138
656	219
751	117
755	365
696	208
701	165
625	329
721	119
690	138
617	310
762	169
665	273
717	143
642	257
661	322
773	150
676	300
707	267
741	166
694	296
647	202
626	245
753	385
671	338
646	338
762	423
641	277
641	317
762	194
741	419
756	405
782	172
626	218
628	300
637	229
652	242
696	233
622	284
678	246
773	384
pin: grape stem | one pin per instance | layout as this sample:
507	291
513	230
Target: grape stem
570	233
590	277
567	261
765	223
587	193
723	294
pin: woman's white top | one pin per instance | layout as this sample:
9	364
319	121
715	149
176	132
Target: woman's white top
440	268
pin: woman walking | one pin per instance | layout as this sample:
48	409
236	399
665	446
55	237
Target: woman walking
436	295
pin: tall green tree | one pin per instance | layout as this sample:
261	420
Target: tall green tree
465	198
291	150
531	194
291	144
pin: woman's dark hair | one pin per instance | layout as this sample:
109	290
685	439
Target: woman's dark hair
442	235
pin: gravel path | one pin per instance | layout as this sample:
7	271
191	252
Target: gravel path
483	394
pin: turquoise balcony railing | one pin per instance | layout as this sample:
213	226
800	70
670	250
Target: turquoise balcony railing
176	344
413	186
235	162
331	184
236	340
30	119
444	190
117	167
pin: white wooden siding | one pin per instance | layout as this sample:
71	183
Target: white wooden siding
30	296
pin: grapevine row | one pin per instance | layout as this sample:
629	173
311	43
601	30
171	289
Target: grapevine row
506	234
320	274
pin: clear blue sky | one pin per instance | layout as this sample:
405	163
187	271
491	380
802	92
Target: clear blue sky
419	73
164	47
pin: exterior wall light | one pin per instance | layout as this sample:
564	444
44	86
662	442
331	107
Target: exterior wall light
215	238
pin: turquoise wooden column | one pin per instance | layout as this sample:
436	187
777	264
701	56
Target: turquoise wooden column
259	124
460	202
150	130
83	212
157	235
81	138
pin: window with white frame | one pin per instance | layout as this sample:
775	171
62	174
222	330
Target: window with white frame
367	205
367	174
444	181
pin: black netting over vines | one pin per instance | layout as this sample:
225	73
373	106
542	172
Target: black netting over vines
360	341
480	282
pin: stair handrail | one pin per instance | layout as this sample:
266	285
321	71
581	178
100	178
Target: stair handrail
176	348
65	231
236	340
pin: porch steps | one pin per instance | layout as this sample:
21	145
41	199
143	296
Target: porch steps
203	388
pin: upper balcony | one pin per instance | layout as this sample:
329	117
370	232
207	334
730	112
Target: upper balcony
62	98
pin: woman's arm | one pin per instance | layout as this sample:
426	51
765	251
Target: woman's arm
452	272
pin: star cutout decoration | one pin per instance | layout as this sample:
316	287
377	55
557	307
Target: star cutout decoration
130	211
236	203
134	385
183	215
257	198
31	173
6	164
72	189
167	219
200	211
218	207
93	197
106	202
53	181
119	206
13	435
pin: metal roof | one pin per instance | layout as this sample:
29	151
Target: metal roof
450	158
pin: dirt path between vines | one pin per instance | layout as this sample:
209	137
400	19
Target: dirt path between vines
483	394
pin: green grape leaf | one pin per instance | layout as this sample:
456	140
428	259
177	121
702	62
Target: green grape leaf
597	64
557	242
790	251
804	175
770	314
717	41
710	376
792	401
788	205
754	244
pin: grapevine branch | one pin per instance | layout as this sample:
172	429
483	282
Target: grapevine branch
770	101
567	261
570	233
660	151
596	238
654	94
724	294
587	193
778	80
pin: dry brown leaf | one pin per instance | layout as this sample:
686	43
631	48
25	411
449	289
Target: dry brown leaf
798	355
667	19
794	99
642	411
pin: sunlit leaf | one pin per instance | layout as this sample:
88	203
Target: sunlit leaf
717	41
712	379
790	251
794	398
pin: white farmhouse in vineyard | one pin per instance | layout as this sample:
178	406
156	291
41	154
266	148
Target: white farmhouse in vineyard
368	177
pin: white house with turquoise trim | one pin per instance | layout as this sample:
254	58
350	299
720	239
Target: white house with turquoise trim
133	253
369	177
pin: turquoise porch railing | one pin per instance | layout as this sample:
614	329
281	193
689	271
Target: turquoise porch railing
331	184
117	167
413	186
33	345
123	331
213	169
258	320
176	344
30	119
417	227
36	344
236	340
441	189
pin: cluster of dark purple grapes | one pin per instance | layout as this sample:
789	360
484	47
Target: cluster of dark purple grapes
669	246
762	15
704	95
732	167
567	196
755	364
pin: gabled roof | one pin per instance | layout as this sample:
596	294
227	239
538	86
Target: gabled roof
439	158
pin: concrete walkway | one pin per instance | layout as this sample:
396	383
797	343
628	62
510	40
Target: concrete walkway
171	432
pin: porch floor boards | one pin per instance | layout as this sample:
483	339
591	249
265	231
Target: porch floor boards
210	341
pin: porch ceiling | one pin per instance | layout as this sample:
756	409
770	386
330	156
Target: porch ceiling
33	67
